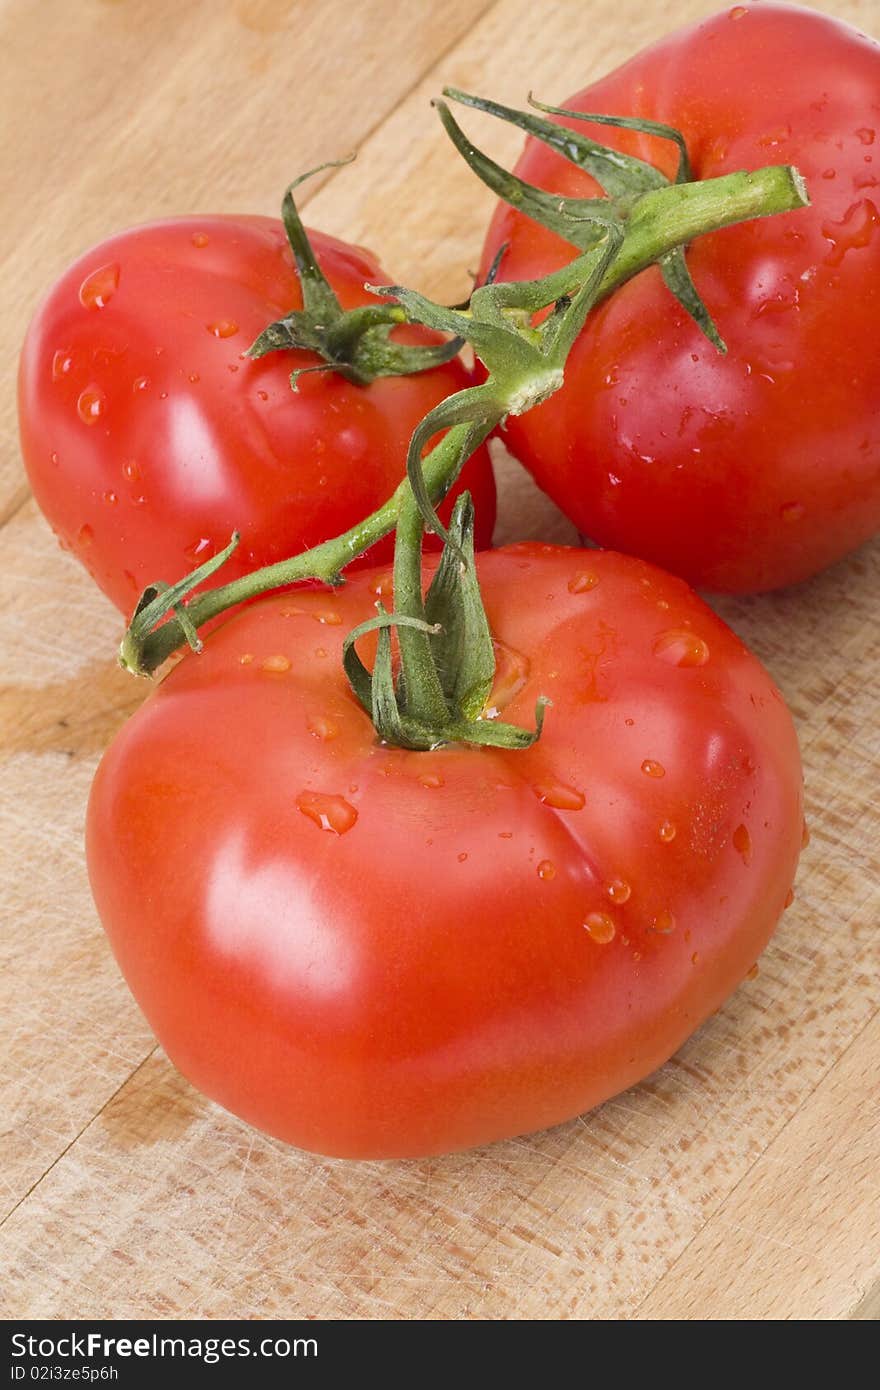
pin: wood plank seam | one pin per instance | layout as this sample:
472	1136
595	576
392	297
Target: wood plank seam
76	1138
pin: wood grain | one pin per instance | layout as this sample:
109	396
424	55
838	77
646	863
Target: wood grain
740	1180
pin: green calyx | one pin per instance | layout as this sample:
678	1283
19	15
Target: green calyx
354	343
522	332
626	181
440	692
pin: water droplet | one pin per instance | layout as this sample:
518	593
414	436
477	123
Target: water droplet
319	726
829	173
131	470
865	134
98	289
742	843
629	723
805	835
85	535
664	922
853	233
246	658
53	457
200	550
263	395
865	179
320	651
546	869
600	927
583	582
680	647
223	328
775	137
560	796
462	857
653	769
140	383
752	974
667	832
110	498
328	811
90	405
789	899
619	891
738	12
277	665
505	834
61	365
511	674
384	585
199	239
328	616
431	780
791	511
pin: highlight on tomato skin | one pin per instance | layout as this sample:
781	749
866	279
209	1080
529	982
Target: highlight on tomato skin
149	436
372	952
760	468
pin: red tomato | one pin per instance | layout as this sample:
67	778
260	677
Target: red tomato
148	436
372	952
756	469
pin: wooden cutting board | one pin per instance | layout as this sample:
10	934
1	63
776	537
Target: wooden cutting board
740	1181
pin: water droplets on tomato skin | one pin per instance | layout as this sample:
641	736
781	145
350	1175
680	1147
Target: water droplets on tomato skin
98	288
663	923
90	405
619	891
681	647
546	870
140	383
431	780
321	727
853	232
667	832
559	795
742	843
200	550
278	664
652	768
600	927
223	328
199	240
805	835
789	899
865	135
84	536
328	810
582	582
62	362
738	12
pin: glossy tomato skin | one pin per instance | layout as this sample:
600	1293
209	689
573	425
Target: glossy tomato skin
371	952
148	436
757	469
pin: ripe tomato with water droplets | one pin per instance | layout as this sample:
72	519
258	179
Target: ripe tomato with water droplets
134	387
371	952
760	468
